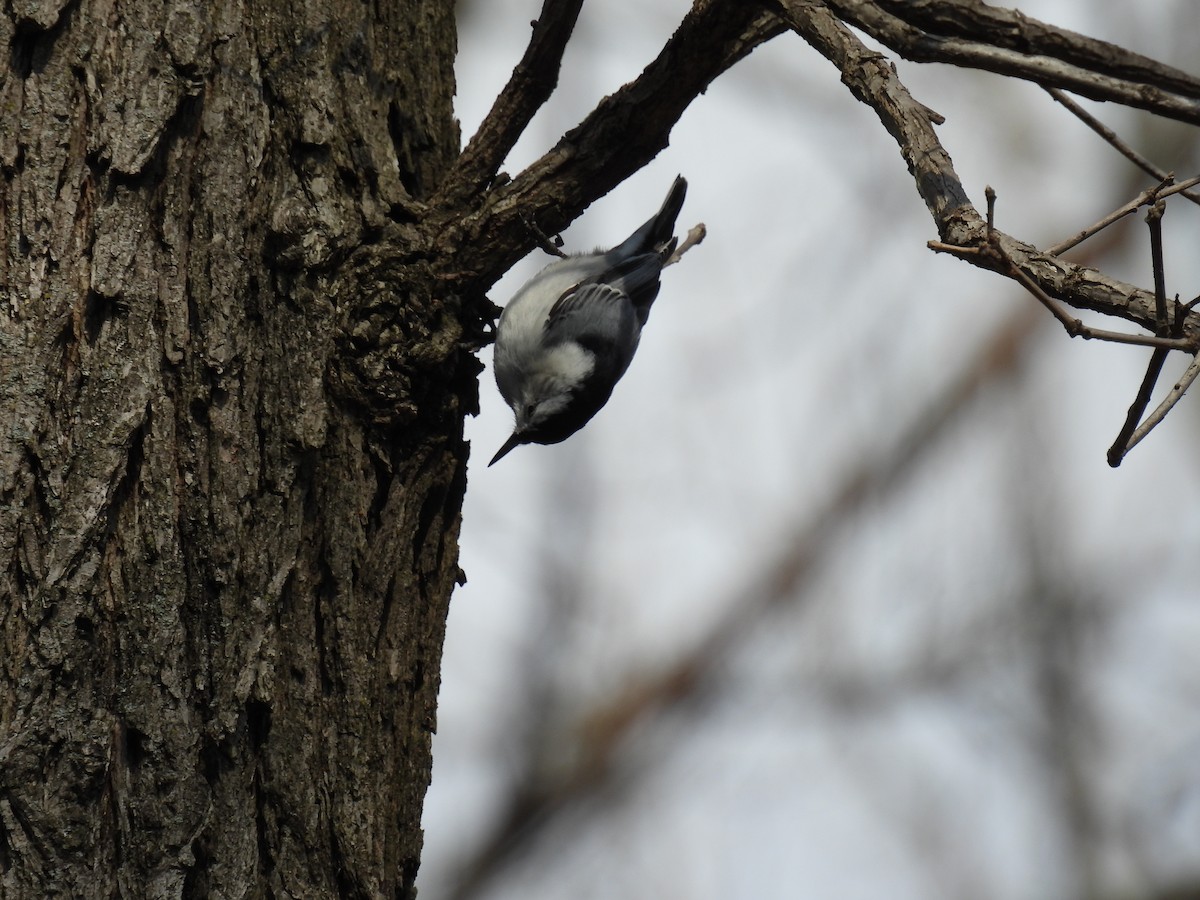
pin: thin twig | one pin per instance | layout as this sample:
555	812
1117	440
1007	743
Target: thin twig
697	233
1158	358
1154	221
1165	407
547	244
1164	189
1137	409
1111	137
1074	327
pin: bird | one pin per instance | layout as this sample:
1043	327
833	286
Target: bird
568	335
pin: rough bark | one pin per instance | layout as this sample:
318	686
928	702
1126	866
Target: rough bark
231	457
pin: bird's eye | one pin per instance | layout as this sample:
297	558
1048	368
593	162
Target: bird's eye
529	408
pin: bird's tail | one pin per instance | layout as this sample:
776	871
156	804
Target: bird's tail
658	233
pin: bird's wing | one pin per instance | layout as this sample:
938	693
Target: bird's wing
637	277
598	317
588	307
633	280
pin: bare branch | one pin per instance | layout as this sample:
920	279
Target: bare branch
1146	197
874	82
1116	453
530	85
961	228
695	235
1121	446
1074	327
1164	326
1111	137
1163	408
1013	30
1079	64
1154	219
625	131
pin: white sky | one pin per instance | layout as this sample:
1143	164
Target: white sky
801	337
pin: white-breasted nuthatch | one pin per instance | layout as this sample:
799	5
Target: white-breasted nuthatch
568	335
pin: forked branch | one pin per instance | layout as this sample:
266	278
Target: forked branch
1055	282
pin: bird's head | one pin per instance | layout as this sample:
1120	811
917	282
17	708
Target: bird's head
545	414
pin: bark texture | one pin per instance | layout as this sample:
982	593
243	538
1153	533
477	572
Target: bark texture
231	456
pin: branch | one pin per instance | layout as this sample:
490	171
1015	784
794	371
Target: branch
1147	197
1117	144
1125	438
530	85
625	131
1122	445
1161	411
1079	64
873	81
695	235
1074	327
1013	30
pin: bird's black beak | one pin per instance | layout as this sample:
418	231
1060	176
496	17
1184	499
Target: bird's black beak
514	440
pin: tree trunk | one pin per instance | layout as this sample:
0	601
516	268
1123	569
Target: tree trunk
231	454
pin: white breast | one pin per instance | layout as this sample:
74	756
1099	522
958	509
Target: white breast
524	318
